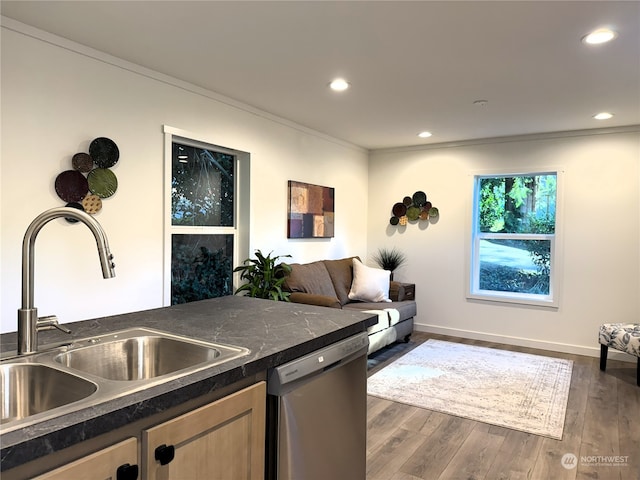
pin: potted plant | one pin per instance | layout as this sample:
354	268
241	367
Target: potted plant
264	277
389	259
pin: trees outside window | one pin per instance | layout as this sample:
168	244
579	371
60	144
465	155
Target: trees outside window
201	267
202	222
514	238
202	187
206	216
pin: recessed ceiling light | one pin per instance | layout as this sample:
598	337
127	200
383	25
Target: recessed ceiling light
603	116
425	134
339	85
602	35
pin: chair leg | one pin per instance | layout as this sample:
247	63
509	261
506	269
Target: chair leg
603	357
638	373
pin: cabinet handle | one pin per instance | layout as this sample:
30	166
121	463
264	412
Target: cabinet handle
127	472
165	453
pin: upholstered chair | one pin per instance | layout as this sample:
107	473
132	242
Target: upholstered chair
621	336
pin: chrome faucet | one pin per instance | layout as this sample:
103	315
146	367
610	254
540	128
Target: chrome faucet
28	322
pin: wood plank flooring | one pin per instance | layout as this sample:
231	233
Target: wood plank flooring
603	419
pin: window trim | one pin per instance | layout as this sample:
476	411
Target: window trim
241	226
472	291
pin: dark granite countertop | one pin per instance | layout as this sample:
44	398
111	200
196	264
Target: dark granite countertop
275	332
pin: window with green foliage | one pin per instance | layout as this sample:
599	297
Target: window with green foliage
514	238
202	222
206	216
202	187
201	267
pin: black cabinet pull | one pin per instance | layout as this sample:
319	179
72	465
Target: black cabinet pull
165	453
127	472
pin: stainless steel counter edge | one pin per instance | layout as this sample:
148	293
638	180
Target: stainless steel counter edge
275	332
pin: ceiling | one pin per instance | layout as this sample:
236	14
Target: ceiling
412	66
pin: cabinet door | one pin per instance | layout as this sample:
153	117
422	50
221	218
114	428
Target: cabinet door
101	465
223	440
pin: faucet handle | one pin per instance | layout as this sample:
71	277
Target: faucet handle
49	323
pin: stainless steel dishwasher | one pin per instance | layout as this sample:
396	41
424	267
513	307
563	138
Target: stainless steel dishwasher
318	414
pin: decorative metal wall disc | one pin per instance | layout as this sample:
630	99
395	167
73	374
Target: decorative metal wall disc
413	212
75	205
102	182
91	204
82	162
71	186
419	198
399	209
104	152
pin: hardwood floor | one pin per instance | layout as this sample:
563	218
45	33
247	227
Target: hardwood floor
602	419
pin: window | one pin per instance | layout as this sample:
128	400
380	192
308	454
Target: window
202	186
514	244
204	237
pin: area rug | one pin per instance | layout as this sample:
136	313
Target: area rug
514	390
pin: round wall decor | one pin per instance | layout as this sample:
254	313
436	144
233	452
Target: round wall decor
413	208
91	179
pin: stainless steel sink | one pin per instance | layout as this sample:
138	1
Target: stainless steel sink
29	389
68	378
140	354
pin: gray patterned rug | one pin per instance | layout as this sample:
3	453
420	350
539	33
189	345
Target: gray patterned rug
510	389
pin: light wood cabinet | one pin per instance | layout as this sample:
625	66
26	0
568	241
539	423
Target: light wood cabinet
222	440
118	462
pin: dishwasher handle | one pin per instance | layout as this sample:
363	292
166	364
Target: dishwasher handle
317	362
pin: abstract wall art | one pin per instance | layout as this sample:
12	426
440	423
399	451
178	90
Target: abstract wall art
311	211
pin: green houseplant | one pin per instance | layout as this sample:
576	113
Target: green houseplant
389	259
264	277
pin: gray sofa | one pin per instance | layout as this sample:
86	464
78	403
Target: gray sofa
327	283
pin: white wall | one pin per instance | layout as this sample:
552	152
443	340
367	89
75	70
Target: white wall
601	235
57	96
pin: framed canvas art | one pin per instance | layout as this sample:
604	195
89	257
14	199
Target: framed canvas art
311	211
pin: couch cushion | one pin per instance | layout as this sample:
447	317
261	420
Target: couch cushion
310	278
313	299
394	316
383	321
406	309
369	284
381	339
341	273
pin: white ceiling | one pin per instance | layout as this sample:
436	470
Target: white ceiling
413	66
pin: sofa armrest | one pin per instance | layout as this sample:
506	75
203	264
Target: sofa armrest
399	292
314	299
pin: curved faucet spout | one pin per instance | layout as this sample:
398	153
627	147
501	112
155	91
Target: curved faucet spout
27	315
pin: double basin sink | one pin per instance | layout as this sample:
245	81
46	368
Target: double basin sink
94	370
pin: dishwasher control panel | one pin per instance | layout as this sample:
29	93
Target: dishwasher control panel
318	361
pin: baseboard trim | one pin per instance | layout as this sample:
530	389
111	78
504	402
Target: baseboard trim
524	342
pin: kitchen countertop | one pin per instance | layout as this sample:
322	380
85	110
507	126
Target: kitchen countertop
275	332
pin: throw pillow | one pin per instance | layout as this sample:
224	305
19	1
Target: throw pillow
369	284
310	278
341	273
